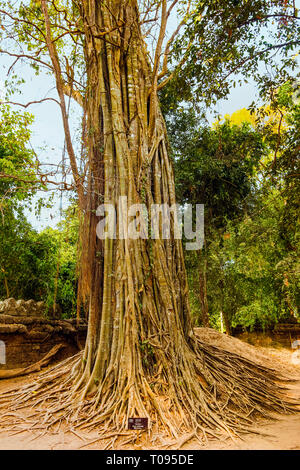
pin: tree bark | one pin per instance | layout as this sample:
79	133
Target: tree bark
140	344
203	290
139	315
227	323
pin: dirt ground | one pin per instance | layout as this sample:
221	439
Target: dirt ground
282	433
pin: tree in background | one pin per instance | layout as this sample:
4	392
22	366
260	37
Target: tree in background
261	277
17	185
248	180
215	167
28	259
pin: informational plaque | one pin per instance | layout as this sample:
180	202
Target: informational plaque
137	424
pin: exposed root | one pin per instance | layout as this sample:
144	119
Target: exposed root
229	394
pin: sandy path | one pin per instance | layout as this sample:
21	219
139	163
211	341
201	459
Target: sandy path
282	434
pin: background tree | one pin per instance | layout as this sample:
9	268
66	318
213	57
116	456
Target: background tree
214	167
35	255
252	228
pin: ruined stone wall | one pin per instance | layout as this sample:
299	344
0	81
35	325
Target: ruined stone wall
284	334
28	338
24	308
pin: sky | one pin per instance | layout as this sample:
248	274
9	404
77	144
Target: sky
47	130
47	137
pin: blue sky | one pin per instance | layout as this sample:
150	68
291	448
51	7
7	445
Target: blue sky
47	131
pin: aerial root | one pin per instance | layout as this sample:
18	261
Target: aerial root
236	392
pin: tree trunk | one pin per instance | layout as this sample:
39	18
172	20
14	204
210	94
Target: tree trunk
227	323
140	346
139	314
203	290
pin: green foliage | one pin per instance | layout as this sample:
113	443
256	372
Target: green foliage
227	42
217	167
26	259
17	163
39	266
246	175
259	275
65	280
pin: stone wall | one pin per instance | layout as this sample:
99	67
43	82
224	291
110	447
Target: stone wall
283	334
28	335
28	338
22	308
26	308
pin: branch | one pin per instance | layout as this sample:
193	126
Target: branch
164	70
26	56
172	6
276	15
73	93
43	180
277	46
163	26
60	89
65	13
184	58
31	102
21	20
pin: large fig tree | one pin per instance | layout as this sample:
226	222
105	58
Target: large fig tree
141	357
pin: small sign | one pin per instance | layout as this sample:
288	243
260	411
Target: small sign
137	423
